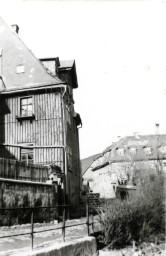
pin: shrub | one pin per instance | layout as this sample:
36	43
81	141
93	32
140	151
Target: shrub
140	217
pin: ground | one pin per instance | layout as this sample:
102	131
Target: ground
9	246
147	249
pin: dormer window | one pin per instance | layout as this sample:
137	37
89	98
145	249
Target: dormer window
120	152
132	151
148	151
26	107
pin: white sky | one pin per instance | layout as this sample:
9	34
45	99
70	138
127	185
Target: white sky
119	48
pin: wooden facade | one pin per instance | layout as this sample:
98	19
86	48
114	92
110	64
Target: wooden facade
50	133
44	133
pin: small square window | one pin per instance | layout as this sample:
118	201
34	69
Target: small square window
20	69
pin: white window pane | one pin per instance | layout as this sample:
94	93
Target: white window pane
29	110
24	112
24	101
20	69
29	100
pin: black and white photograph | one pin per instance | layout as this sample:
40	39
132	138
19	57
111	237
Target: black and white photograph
82	127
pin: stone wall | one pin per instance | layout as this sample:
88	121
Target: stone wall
17	194
86	246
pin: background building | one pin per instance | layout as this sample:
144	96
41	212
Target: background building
119	164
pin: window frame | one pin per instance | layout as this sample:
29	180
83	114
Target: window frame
19	117
20	105
31	151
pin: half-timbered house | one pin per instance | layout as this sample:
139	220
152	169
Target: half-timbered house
38	123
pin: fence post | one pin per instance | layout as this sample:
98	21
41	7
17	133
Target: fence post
133	245
63	228
87	217
32	230
92	219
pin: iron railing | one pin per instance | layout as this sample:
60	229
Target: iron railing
63	227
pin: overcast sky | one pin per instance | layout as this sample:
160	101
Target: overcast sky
120	53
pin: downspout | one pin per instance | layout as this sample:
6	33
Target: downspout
80	167
64	142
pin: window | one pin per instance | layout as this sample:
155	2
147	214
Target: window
26	106
148	151
27	155
20	69
120	152
132	151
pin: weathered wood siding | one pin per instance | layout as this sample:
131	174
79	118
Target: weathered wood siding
44	131
12	169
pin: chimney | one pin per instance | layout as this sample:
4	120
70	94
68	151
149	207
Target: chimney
136	135
157	129
119	137
15	28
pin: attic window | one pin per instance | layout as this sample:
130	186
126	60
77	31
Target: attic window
120	151
148	151
132	151
20	69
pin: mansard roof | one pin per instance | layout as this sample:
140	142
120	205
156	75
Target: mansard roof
19	68
131	148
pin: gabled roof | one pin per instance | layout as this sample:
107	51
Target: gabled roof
19	67
86	162
155	143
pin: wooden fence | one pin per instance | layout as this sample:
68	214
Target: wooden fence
12	169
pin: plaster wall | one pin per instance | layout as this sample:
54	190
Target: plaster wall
105	179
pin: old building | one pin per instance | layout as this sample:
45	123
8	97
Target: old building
87	173
118	165
38	122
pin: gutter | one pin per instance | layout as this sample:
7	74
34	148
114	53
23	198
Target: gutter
125	161
34	88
